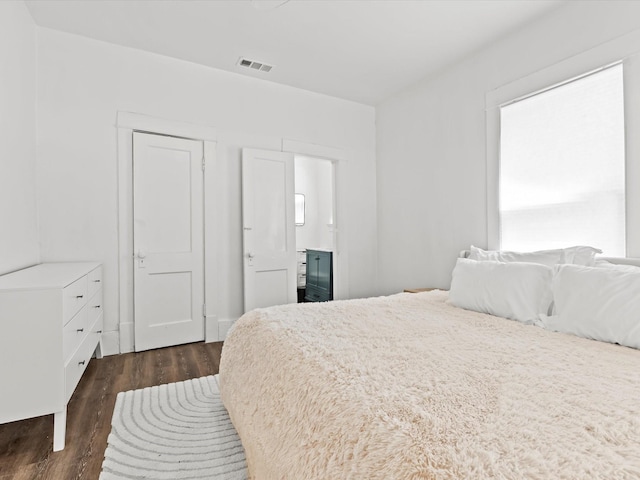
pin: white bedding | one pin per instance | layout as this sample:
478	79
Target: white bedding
408	387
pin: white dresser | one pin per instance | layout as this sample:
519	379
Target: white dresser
50	326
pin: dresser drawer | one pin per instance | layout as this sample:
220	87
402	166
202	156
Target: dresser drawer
76	366
74	297
74	332
96	328
94	280
94	307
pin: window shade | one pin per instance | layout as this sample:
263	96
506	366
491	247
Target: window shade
562	167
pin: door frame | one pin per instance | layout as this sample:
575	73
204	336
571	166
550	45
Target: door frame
339	161
126	124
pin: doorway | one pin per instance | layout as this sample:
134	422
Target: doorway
274	253
315	227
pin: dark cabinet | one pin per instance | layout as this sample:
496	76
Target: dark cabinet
319	276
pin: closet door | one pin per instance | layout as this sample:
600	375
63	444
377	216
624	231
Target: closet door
168	241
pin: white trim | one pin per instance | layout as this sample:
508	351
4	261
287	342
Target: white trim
493	179
616	50
340	232
313	150
211	234
211	329
125	241
126	337
223	328
110	344
126	123
631	76
339	159
625	49
146	123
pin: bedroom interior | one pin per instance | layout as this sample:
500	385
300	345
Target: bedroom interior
414	150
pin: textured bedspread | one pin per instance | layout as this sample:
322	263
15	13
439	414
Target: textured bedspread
408	387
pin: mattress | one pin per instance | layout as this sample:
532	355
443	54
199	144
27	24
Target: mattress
411	387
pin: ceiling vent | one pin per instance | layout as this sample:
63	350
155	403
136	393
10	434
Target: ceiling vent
253	65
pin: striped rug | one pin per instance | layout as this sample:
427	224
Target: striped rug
175	431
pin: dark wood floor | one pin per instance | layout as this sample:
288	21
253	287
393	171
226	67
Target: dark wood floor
26	446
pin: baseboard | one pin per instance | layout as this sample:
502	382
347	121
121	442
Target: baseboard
214	331
223	328
110	343
126	337
211	329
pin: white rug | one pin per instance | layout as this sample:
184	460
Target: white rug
175	431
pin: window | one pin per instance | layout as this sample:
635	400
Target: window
562	166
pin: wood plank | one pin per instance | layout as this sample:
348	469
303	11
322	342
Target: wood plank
26	446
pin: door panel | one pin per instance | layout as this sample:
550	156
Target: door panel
168	241
274	287
168	217
269	228
170	293
269	202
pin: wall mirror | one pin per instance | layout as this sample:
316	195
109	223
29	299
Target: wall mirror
299	209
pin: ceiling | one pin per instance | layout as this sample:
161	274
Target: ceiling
358	50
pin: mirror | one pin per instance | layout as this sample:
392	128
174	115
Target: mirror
299	209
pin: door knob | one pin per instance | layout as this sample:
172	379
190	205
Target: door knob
250	255
141	261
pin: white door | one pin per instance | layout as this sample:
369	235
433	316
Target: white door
268	219
167	241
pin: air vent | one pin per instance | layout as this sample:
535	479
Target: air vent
252	64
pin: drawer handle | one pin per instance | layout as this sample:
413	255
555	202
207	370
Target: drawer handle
96	306
80	330
99	331
79	296
96	281
82	362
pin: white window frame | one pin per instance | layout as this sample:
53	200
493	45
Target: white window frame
625	50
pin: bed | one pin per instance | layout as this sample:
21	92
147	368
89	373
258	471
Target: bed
410	386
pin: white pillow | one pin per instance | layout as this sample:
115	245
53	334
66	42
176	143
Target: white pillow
516	290
598	303
580	255
545	257
577	255
619	266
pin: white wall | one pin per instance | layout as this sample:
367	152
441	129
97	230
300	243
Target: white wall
83	84
431	143
18	215
313	180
